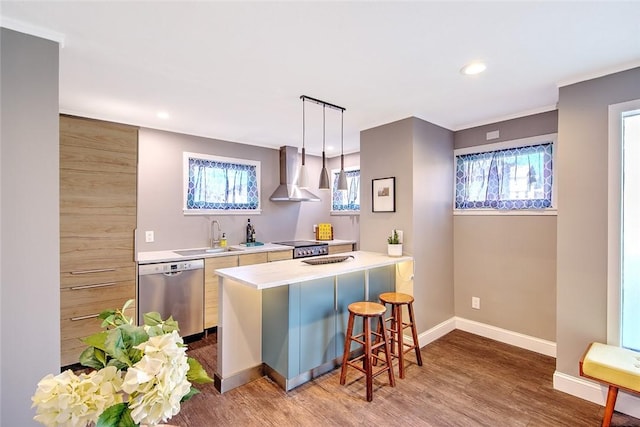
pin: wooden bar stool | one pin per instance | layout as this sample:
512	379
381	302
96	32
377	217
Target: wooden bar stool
397	327
367	310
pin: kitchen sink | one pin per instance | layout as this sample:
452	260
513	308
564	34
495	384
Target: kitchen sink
192	252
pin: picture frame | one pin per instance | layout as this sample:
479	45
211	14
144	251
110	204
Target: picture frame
383	194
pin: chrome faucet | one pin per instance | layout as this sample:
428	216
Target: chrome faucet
215	239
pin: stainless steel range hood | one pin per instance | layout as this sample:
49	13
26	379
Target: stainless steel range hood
288	191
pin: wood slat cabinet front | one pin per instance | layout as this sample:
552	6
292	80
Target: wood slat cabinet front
254	258
211	287
98	184
279	255
341	248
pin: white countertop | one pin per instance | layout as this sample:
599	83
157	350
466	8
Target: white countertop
171	255
272	274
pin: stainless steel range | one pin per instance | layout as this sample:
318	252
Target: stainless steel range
307	248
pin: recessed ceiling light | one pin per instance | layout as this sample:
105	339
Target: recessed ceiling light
162	115
473	68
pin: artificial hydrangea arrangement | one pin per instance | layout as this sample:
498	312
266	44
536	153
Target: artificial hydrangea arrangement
141	375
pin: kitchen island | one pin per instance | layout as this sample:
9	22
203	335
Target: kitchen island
287	318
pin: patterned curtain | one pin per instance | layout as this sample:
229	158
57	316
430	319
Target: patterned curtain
221	186
516	178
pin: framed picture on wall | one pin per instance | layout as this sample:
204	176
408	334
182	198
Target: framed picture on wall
383	194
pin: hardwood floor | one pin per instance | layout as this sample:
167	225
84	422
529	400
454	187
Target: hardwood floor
466	380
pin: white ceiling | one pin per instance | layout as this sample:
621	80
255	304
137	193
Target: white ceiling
235	70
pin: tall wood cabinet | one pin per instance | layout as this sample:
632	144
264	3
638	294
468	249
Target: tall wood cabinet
98	169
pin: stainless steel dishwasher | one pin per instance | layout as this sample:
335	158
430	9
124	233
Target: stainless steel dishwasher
173	289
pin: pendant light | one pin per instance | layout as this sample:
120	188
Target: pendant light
303	176
324	175
342	177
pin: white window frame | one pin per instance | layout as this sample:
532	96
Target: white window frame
505	145
210	157
352	212
614	226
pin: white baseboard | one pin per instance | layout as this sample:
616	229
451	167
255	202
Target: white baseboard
434	333
596	393
548	348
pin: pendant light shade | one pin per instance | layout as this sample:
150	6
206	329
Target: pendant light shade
323	184
342	177
303	176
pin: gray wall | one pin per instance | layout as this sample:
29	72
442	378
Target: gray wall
522	127
419	155
29	222
582	216
160	196
432	222
509	262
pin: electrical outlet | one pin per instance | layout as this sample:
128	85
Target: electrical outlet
475	303
149	237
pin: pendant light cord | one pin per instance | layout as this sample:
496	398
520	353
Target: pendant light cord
303	131
342	141
323	131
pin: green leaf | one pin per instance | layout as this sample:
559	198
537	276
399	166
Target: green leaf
152	319
192	392
126	305
196	373
170	325
97	340
106	313
121	366
118	415
115	346
89	358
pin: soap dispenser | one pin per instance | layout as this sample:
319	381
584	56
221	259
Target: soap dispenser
223	241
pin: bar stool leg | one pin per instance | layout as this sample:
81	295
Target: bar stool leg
414	334
387	353
368	368
347	347
397	308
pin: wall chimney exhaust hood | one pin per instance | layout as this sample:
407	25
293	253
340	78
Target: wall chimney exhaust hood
288	190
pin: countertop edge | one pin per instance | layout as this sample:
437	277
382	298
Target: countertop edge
302	272
169	255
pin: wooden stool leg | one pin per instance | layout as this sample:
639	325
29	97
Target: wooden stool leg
414	333
368	368
387	354
393	327
399	331
611	404
347	347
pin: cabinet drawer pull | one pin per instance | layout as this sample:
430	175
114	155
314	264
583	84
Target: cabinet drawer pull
97	285
100	270
88	316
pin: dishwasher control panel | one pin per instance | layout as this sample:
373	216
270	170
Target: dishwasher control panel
170	267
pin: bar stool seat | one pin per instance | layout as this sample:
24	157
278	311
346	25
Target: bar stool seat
367	310
397	326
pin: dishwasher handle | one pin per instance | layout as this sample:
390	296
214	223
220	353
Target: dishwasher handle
173	273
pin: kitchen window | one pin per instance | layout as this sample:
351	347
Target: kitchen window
220	184
346	202
512	176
